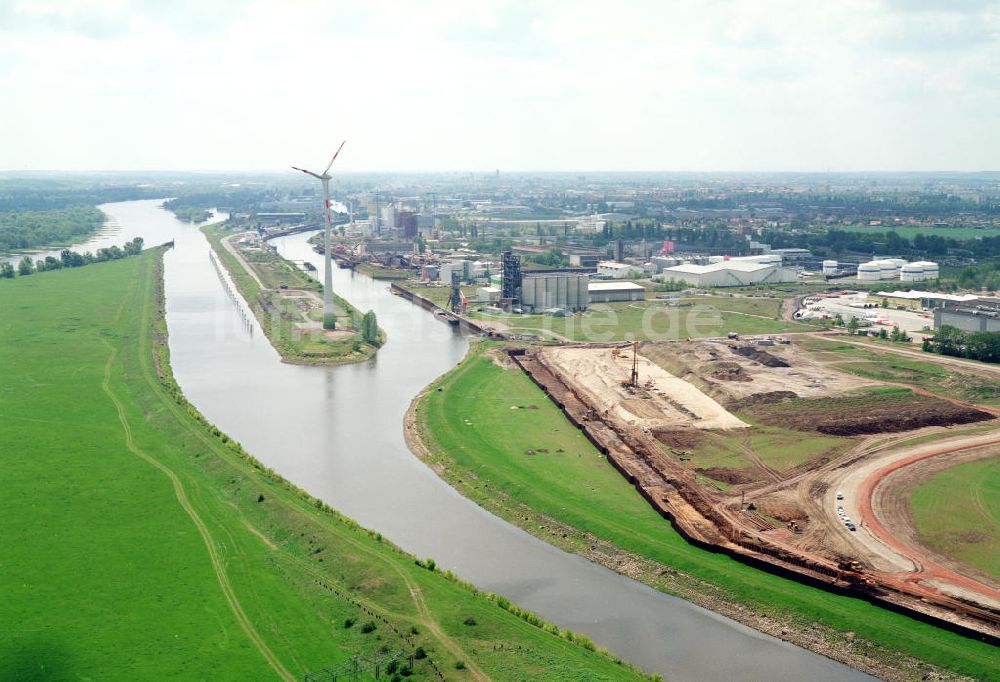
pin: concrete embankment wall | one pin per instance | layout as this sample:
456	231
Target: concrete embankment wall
662	489
428	304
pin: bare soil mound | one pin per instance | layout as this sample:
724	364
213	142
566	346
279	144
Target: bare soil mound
781	509
763	399
888	420
886	412
730	371
683	439
758	355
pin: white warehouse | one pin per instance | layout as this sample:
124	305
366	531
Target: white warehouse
609	292
613	270
732	273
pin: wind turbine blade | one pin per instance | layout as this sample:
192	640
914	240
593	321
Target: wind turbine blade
303	170
334	157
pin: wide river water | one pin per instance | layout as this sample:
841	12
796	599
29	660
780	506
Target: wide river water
337	432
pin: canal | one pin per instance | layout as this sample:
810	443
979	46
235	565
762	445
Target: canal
337	432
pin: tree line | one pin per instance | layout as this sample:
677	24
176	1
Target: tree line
949	340
70	259
839	241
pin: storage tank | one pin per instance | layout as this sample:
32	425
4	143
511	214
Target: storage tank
888	268
911	272
931	270
869	272
829	267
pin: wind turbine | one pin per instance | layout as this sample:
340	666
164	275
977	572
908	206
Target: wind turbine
329	316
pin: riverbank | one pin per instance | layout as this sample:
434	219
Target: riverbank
533	468
210	561
288	305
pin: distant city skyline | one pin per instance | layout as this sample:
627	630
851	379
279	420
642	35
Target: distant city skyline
554	85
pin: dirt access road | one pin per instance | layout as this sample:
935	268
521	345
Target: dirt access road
875	539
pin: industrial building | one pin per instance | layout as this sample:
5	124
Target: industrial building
468	271
613	270
731	273
922	300
286	218
611	292
489	295
544	292
792	255
978	315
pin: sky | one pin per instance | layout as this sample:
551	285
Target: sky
459	85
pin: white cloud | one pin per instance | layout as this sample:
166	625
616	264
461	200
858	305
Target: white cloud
553	84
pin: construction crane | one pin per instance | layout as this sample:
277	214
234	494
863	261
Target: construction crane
633	380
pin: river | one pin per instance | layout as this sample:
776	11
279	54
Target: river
337	432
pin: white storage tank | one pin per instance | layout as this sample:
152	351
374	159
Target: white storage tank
870	272
919	271
911	272
829	267
888	268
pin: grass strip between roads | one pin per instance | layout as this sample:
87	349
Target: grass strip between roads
497	438
141	542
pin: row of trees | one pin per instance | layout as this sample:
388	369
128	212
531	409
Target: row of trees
70	259
948	340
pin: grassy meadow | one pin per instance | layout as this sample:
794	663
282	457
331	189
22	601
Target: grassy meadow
139	542
495	436
957	512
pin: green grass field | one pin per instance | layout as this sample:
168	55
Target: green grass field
703	316
482	443
957	512
280	316
892	367
778	447
139	542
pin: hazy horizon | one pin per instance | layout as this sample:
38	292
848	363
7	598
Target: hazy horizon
861	86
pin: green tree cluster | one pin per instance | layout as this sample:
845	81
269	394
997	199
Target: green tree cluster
949	340
32	229
369	329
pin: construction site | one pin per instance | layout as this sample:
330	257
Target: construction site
777	455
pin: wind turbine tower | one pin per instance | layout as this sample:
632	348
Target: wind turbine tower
329	315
